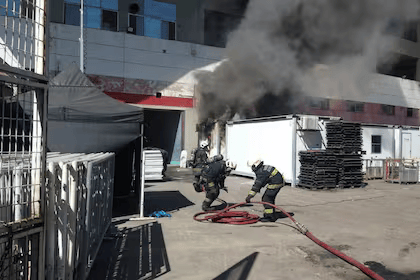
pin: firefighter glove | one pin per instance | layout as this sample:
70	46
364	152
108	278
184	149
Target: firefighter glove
251	194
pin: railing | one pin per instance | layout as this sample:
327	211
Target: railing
401	171
374	169
79	211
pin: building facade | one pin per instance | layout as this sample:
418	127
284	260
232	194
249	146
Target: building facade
145	53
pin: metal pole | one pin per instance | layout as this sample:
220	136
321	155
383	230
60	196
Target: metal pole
294	138
141	191
81	36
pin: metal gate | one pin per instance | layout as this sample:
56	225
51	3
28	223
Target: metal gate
22	162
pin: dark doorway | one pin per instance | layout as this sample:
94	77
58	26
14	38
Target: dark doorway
163	130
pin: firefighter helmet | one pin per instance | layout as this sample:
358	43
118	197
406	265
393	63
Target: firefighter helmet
254	164
204	144
230	164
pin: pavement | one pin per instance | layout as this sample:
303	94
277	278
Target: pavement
378	225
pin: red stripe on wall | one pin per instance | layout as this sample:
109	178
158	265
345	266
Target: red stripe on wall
152	100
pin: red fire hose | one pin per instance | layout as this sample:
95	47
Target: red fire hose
242	217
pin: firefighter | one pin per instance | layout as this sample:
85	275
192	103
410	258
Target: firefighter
270	176
199	160
213	176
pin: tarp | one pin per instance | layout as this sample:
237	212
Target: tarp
83	119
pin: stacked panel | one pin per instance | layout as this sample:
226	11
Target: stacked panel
318	169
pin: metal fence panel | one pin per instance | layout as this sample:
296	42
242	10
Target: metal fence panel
79	192
22	164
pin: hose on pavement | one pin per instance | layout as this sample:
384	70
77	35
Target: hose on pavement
242	217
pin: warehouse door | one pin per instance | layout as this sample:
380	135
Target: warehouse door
163	130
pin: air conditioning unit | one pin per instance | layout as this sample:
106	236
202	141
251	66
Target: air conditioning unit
309	123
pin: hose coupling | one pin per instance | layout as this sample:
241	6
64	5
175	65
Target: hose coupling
302	228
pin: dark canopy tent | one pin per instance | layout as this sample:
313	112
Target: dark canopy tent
83	119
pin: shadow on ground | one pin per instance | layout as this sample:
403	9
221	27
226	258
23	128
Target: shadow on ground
239	271
389	274
167	201
135	253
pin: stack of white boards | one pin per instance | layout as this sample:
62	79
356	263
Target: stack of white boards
153	168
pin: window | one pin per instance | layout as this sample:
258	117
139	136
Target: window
410	112
355	107
410	31
376	144
10	8
27	9
217	26
99	14
109	20
402	66
72	14
152	19
388	109
317	103
167	30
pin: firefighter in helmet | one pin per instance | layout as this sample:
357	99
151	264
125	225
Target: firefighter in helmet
199	160
214	174
270	176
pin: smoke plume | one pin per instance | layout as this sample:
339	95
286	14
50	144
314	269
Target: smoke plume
280	47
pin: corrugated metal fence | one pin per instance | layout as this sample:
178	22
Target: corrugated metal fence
79	211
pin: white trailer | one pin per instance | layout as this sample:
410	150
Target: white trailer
278	140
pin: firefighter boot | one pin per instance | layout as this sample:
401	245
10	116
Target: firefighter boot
268	216
206	205
197	187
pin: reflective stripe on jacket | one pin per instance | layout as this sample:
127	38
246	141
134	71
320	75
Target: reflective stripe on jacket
267	175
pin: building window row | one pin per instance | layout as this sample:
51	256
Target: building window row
18	8
356	107
145	18
319	103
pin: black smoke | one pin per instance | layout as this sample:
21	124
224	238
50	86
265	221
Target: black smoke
272	55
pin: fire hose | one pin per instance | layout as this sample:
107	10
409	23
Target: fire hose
242	217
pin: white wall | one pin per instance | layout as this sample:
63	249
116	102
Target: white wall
370	88
269	140
387	135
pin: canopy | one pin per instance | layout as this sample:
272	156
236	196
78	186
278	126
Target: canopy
81	118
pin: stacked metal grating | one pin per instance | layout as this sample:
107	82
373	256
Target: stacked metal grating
318	169
345	141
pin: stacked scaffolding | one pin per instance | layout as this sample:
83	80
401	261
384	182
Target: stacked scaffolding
340	165
318	169
345	141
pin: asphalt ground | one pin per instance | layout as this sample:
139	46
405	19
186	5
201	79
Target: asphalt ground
378	225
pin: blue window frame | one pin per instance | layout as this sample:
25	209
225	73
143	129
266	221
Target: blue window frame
98	14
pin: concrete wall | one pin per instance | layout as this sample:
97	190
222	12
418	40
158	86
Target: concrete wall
128	56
